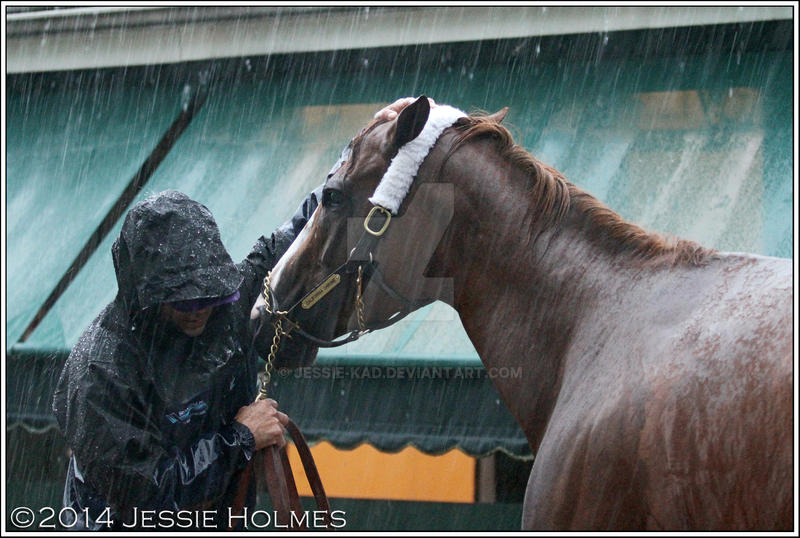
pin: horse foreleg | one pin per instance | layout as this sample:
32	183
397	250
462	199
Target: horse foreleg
584	482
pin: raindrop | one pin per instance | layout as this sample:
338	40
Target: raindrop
187	92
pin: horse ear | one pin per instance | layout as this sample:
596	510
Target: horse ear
498	116
411	121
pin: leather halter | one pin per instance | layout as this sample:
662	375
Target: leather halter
360	258
277	471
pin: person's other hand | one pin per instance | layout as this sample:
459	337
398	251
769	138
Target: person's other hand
267	424
390	112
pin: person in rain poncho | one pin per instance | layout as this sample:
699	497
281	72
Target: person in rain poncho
156	400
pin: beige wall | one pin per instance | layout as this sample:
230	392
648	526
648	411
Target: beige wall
409	475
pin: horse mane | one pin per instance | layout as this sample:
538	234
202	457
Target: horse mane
555	196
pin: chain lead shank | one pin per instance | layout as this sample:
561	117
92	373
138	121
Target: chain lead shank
266	376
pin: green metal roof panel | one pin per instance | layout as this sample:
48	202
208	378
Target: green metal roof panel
694	148
700	148
252	169
74	142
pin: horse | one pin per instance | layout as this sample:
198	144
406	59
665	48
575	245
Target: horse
656	386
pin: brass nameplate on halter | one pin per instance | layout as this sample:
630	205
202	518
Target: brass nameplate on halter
321	291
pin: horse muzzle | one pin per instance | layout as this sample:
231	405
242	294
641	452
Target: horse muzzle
259	309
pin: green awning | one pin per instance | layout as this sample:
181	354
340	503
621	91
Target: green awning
252	162
74	141
393	402
388	401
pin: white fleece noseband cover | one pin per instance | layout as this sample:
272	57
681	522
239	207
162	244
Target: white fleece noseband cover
396	182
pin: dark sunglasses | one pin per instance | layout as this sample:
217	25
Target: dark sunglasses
193	305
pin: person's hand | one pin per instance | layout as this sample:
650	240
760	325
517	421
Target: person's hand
266	423
390	112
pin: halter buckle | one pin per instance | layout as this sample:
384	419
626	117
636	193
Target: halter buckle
372	211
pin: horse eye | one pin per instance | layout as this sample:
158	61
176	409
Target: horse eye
332	198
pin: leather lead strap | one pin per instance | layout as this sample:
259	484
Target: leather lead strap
276	485
281	484
310	468
291	487
245	476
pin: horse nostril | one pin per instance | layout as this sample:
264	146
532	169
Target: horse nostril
259	311
258	318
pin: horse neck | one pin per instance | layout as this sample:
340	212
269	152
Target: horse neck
522	288
537	289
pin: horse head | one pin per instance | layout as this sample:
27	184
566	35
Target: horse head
358	266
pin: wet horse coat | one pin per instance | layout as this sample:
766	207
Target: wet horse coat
656	387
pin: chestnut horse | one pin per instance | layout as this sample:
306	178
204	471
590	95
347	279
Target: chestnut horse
657	378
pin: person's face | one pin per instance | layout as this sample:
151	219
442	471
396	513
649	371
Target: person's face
191	323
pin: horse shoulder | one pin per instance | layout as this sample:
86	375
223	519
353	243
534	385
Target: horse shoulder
717	435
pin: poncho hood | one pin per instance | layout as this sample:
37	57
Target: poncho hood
170	250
